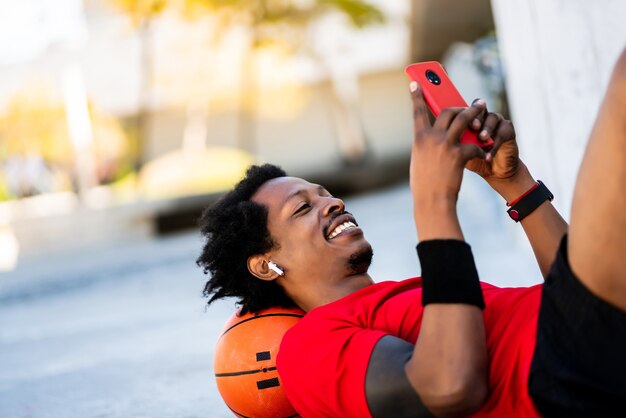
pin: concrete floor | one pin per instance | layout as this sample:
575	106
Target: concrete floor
123	332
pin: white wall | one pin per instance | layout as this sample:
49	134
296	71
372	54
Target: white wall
558	56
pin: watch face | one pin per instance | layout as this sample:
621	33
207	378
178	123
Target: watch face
513	214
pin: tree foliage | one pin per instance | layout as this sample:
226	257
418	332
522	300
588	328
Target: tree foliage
257	14
140	10
33	128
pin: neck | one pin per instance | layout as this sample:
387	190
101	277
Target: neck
340	289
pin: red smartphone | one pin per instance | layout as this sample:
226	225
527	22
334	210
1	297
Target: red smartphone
440	93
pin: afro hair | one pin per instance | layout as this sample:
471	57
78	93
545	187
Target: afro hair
235	228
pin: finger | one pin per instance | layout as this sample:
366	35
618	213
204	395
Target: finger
462	121
505	132
471	151
497	143
420	111
478	121
446	117
490	125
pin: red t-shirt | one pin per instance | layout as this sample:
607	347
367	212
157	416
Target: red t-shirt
323	359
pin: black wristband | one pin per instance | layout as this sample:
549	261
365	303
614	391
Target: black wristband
528	203
448	273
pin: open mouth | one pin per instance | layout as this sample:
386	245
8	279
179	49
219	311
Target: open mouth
343	225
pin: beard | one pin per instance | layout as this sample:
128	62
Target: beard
360	260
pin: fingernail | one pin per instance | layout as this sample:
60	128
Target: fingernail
413	86
488	156
484	133
479	102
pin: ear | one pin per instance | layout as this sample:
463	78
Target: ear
257	265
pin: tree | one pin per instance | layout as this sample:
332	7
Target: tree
142	13
36	152
278	22
266	22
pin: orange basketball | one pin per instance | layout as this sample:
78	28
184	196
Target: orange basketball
245	363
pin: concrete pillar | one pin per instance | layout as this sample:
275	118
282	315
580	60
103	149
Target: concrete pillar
558	56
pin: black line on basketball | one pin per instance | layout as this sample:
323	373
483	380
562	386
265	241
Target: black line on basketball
267	383
237	413
268	369
260	316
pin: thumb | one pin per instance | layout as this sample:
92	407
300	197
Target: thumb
420	111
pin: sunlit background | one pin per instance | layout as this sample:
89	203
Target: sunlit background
121	119
135	105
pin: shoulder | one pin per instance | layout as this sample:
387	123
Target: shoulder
359	302
319	359
511	298
363	310
347	322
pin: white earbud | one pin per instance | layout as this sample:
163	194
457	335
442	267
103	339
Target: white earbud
275	268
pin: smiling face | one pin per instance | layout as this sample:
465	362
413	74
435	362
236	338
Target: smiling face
320	247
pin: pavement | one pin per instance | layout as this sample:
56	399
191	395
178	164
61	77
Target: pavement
124	331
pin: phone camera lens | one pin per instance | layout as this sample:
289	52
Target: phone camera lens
433	77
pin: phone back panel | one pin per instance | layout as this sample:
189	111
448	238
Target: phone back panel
437	97
441	96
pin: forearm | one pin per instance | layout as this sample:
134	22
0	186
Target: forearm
436	218
449	364
544	227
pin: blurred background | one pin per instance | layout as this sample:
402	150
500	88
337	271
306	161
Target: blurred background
121	119
147	108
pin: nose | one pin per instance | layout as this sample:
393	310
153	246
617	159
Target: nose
334	205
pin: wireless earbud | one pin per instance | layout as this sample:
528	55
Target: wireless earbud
274	267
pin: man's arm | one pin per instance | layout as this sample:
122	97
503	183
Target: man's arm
449	364
544	227
447	367
387	388
509	177
597	239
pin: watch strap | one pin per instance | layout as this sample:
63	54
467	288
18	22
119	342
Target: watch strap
530	201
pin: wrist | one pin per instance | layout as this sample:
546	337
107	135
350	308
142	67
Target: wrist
525	204
449	273
437	219
514	186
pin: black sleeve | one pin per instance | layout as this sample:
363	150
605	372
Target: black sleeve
387	388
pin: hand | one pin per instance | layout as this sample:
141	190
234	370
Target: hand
437	159
502	161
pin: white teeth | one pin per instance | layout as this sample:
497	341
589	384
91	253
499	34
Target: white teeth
338	230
